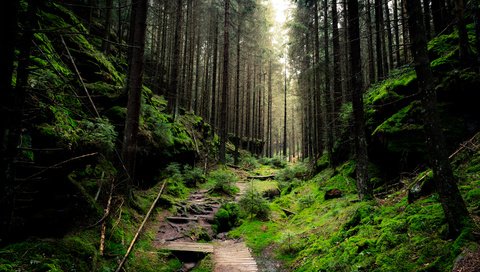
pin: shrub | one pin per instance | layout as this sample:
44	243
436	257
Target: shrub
227	217
276	162
249	163
254	205
193	175
296	171
223	182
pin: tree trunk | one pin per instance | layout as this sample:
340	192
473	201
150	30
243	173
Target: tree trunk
108	24
452	203
426	12
438	15
214	72
326	94
371	59
337	71
285	114
379	38
135	78
270	102
363	184
11	104
464	52
175	75
389	35
397	32
224	105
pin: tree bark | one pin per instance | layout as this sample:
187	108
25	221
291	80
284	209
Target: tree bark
379	39
397	32
135	78
108	24
371	59
224	104
337	71
363	185
326	93
175	76
452	203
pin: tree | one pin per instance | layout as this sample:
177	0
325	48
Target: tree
135	79
224	104
452	203
363	184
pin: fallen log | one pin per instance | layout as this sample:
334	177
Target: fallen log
178	219
140	229
287	212
261	177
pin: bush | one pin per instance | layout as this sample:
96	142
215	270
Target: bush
249	163
223	182
254	205
296	171
226	217
276	162
193	175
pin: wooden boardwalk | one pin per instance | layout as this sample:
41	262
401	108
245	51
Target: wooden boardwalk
231	256
188	246
228	256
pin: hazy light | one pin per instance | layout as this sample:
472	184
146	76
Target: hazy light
281	10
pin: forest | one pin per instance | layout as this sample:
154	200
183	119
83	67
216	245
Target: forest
240	135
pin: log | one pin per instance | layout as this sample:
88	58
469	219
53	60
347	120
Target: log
124	259
287	212
261	177
104	223
179	219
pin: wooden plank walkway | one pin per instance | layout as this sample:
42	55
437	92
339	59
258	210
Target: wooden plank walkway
231	256
228	256
188	246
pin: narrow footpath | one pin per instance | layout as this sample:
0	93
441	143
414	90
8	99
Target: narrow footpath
193	221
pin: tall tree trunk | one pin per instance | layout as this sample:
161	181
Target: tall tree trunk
379	39
397	32
12	102
464	52
326	94
405	33
237	94
389	35
363	185
337	70
214	72
285	114
371	59
438	15
175	75
452	203
270	102
135	78
476	19
224	104
108	24
426	13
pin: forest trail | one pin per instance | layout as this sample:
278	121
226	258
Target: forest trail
193	221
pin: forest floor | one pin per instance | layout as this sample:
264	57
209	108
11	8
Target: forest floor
187	232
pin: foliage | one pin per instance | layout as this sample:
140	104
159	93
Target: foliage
222	182
227	217
249	162
277	162
254	205
293	172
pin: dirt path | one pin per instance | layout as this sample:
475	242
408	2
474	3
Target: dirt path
193	221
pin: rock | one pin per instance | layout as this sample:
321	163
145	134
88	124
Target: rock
333	193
